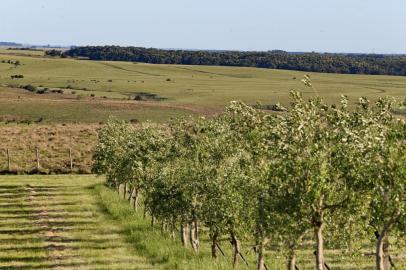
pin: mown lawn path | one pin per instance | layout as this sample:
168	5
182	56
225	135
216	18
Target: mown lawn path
55	222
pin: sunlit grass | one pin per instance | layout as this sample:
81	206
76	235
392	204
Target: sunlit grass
75	222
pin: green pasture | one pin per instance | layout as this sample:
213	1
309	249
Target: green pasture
7	51
206	87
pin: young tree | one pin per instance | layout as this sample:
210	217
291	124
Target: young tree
111	149
387	180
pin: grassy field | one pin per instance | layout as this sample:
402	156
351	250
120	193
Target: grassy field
18	105
93	91
74	222
57	223
16	52
53	142
202	89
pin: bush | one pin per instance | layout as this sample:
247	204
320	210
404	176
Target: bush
30	88
138	97
41	91
58	91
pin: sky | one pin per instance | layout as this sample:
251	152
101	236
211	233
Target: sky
368	26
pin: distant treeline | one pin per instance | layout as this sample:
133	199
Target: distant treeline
6	43
373	64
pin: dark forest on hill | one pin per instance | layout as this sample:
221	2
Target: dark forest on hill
373	64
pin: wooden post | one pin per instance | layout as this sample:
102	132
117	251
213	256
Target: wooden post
37	156
70	159
8	160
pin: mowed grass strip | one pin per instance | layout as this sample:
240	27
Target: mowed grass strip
55	222
75	222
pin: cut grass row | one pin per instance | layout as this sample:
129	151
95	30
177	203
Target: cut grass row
75	222
57	223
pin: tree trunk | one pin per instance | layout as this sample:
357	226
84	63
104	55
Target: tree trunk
320	247
152	220
135	199
292	261
145	212
380	254
130	194
261	254
194	235
173	229
184	227
236	249
214	239
125	191
387	261
164	226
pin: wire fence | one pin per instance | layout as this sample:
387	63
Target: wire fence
46	161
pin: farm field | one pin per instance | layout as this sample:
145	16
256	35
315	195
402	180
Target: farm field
181	89
93	91
13	51
57	143
74	222
17	105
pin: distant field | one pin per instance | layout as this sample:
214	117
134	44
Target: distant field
93	91
206	89
4	50
18	105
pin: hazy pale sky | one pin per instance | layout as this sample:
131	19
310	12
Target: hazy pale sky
292	25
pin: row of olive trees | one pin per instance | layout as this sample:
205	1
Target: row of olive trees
249	175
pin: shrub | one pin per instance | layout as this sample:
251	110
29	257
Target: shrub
41	91
30	88
138	97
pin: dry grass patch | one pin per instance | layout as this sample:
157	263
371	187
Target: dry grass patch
53	143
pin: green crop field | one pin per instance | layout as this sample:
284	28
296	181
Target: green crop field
182	89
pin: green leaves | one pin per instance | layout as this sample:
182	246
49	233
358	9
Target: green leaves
268	177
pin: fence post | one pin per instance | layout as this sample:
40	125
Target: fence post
37	155
70	159
8	160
